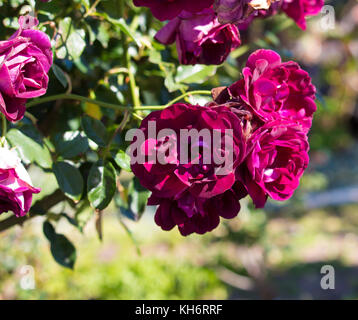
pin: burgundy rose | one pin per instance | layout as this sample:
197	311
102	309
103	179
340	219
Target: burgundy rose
16	189
298	10
242	12
192	183
169	9
232	11
25	60
269	113
199	176
197	215
276	90
276	161
200	38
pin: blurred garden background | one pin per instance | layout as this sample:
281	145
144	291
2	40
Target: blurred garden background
276	253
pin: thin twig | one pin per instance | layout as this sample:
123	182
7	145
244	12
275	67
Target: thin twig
92	9
41	207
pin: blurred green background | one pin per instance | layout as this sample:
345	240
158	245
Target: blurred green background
276	253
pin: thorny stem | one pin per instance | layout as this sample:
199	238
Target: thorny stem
71	96
184	95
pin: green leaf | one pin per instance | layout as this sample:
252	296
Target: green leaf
122	25
60	75
101	185
70	144
70	219
194	74
125	29
167	69
123	160
69	180
48	230
172	85
30	147
103	35
95	130
72	40
155	57
139	197
63	251
132	203
83	215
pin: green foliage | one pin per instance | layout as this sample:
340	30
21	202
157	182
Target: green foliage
122	159
71	144
30	146
101	185
111	270
132	202
95	130
107	55
69	179
62	249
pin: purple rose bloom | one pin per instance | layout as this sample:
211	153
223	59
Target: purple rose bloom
200	38
25	60
242	12
197	215
276	90
189	183
169	9
299	9
177	175
16	189
232	11
276	161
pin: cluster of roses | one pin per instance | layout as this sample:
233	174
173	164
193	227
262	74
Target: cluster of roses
269	111
206	31
25	60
